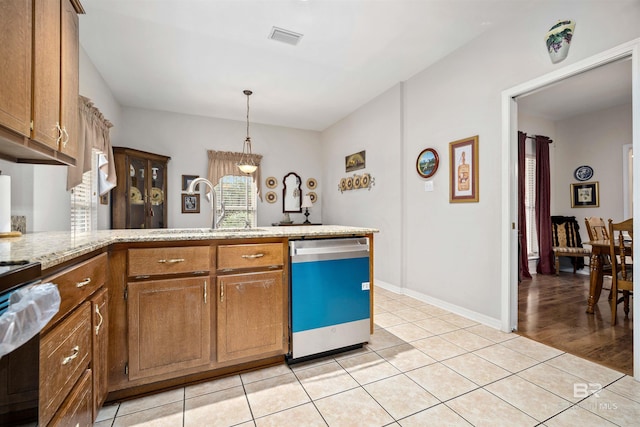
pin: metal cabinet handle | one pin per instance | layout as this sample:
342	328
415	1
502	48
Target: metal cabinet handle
171	261
65	140
76	351
59	138
205	291
85	282
101	319
221	292
252	256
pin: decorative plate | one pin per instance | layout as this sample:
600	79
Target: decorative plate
427	162
350	183
583	173
135	196
343	184
271	197
357	179
313	196
312	184
132	170
366	181
157	196
271	182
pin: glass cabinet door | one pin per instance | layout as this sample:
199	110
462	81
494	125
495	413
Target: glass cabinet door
157	194
137	192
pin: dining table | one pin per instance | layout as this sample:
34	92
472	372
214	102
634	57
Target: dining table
599	251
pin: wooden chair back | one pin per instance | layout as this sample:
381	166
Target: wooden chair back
621	251
596	228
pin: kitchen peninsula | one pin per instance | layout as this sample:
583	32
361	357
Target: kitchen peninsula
147	310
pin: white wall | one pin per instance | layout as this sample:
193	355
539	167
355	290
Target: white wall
452	251
375	128
186	139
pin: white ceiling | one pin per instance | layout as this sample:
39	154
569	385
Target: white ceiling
197	56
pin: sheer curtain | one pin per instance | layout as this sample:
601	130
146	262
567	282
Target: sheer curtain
222	163
543	205
522	215
93	132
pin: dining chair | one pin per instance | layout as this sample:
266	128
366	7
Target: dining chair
621	246
598	230
565	241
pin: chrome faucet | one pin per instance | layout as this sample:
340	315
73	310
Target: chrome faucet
215	222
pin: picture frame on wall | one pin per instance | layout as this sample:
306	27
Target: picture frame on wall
427	162
355	161
585	195
190	203
464	183
186	180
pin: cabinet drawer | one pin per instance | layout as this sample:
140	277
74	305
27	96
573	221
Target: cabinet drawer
153	261
76	410
78	283
65	353
249	256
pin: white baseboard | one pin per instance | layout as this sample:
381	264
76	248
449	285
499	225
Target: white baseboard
461	311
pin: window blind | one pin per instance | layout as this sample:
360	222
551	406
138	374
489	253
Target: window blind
84	199
530	204
239	194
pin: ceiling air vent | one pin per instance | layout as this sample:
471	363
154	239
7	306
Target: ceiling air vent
285	36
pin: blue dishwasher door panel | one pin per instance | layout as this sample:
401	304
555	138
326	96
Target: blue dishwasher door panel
329	292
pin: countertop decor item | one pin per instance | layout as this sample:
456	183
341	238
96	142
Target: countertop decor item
558	40
583	173
271	182
246	163
427	162
306	204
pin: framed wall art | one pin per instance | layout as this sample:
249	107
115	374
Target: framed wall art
427	162
585	195
186	180
190	203
463	178
355	161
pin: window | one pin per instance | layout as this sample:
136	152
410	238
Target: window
239	195
530	204
84	200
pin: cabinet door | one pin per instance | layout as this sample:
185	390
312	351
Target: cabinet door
250	315
46	73
136	206
157	193
100	338
69	66
15	51
169	326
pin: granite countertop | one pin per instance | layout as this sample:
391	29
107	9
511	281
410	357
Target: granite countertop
55	247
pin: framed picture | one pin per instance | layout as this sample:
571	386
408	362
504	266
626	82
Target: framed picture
186	180
190	203
427	162
585	195
463	178
355	161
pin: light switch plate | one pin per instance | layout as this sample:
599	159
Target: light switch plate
428	186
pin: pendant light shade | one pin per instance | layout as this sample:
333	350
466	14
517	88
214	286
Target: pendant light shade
246	163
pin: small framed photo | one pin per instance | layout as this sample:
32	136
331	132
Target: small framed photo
190	203
186	180
585	195
427	162
463	179
355	161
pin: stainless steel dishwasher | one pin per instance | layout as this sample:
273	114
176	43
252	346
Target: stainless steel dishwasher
329	295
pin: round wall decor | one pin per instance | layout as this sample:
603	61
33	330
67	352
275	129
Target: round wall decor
427	162
313	196
583	173
271	196
312	184
271	182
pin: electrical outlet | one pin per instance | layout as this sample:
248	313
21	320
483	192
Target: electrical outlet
365	286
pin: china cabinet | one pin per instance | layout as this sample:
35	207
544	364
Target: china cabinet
140	197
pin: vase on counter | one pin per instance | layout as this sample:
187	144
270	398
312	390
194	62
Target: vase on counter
558	40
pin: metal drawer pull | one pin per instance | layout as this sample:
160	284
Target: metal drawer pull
101	320
85	282
253	256
205	291
221	292
171	261
68	359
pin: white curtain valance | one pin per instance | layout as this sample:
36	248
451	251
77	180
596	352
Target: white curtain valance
222	163
93	132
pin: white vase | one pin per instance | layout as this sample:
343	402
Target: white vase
558	40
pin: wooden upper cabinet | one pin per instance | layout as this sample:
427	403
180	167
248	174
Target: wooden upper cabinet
15	51
39	45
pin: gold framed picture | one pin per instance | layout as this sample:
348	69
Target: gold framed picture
355	161
585	195
463	173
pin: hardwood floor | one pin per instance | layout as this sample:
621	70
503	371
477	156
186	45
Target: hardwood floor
552	310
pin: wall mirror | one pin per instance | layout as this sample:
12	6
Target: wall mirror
292	193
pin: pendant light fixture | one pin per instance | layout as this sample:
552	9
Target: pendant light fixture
246	163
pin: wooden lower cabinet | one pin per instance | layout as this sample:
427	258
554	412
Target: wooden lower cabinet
77	409
169	326
250	315
100	342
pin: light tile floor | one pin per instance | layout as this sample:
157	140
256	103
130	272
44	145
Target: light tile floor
424	366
